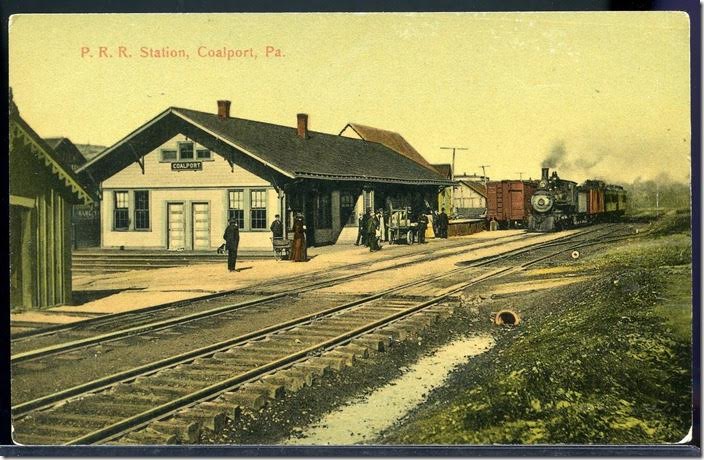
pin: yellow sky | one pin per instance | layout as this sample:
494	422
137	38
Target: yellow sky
612	88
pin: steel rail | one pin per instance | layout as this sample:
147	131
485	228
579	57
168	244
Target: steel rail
142	419
60	327
107	381
163	324
214	390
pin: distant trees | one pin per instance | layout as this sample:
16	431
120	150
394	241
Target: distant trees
662	190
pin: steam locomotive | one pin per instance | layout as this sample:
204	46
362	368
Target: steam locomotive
558	204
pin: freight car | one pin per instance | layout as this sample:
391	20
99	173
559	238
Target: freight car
508	202
559	204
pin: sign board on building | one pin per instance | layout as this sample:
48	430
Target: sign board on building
187	166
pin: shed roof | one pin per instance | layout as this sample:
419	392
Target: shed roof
320	155
390	139
476	186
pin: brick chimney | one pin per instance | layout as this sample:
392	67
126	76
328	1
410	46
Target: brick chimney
302	125
223	109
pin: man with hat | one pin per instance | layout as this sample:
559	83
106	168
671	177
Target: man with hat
232	240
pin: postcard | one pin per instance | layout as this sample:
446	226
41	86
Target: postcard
378	230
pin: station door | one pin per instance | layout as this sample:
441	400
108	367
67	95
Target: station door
201	226
176	226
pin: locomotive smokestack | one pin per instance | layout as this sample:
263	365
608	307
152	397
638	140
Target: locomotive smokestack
545	173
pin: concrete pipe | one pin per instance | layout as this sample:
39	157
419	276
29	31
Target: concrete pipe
507	317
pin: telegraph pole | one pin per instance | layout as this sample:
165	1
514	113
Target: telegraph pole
484	172
520	175
454	149
452	173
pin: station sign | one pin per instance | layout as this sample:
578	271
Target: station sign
187	166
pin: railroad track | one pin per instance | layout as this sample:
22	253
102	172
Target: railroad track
290	283
127	401
68	337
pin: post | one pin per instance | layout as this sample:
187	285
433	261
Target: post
452	173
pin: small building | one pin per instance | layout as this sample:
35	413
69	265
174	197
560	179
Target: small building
469	199
175	181
43	190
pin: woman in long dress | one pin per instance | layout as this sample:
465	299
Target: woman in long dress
299	251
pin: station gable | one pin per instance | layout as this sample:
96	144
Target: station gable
182	162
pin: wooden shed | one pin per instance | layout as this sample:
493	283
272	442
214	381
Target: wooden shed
42	192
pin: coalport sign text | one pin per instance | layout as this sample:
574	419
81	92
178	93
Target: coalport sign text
187	166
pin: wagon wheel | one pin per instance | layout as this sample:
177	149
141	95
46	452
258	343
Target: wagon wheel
277	254
409	237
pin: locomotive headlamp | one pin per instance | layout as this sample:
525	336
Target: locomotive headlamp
541	203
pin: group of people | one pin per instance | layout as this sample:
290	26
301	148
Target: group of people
299	250
373	229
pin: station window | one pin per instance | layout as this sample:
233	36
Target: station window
324	211
185	150
236	207
347	207
168	155
203	154
258	209
141	210
121	218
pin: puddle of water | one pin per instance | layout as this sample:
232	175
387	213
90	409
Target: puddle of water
363	419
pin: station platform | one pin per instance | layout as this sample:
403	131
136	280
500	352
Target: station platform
97	294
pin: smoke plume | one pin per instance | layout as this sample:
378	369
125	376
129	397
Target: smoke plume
556	156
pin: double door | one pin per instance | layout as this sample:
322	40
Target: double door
181	236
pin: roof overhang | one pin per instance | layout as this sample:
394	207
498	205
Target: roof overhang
350	178
21	132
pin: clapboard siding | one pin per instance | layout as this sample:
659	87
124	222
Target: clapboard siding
156	236
216	172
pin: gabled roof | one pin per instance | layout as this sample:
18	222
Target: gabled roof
445	169
390	139
279	148
476	186
22	133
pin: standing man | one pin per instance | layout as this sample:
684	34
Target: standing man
277	228
422	227
361	232
443	223
232	240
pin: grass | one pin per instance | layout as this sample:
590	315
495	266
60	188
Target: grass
606	362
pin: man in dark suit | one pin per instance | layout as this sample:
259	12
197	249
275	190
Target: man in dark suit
232	240
422	227
277	228
443	223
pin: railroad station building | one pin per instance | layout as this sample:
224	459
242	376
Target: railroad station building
173	182
43	190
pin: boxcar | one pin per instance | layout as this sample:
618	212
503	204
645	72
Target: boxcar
508	202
